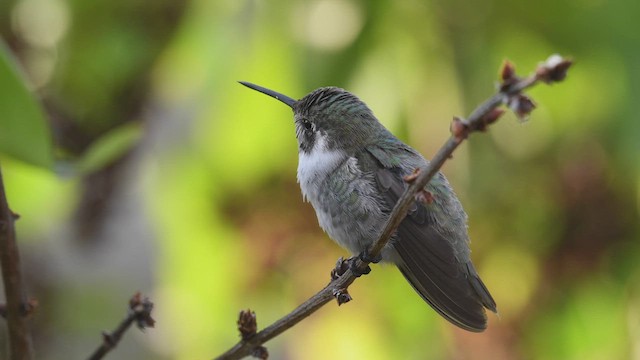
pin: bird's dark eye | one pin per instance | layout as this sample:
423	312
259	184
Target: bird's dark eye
307	125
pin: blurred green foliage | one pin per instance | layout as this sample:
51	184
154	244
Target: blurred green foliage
24	132
172	179
109	147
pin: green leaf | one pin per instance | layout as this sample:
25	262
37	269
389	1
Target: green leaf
24	133
110	147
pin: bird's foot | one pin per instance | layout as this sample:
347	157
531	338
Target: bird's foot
341	267
352	264
366	257
341	294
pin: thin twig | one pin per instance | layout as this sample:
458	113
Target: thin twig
552	70
20	346
139	312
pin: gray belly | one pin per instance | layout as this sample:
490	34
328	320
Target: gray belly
347	205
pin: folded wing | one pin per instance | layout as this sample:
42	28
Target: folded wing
434	256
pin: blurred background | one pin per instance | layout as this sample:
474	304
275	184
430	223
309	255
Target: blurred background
137	162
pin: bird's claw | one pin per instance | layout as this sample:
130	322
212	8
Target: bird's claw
341	267
352	264
366	257
342	294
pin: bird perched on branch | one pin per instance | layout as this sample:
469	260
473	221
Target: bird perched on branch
353	170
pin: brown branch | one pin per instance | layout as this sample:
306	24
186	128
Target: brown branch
139	312
20	346
552	70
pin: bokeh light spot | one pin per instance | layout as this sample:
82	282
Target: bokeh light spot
328	24
42	23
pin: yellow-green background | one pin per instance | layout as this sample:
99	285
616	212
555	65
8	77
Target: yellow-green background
172	179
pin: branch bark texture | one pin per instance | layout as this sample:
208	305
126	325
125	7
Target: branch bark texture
16	307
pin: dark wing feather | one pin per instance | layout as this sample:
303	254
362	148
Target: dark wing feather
442	276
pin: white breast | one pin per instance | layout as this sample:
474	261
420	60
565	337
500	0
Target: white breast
315	166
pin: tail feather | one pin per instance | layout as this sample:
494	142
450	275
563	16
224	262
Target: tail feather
481	289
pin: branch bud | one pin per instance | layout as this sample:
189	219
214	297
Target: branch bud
425	197
260	352
508	71
342	296
411	177
521	105
459	129
493	116
508	75
554	69
141	307
247	324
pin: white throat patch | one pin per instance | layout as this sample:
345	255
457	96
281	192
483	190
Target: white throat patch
315	166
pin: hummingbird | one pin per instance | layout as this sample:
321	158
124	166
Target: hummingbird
352	170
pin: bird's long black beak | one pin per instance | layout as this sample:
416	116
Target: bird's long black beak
284	98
